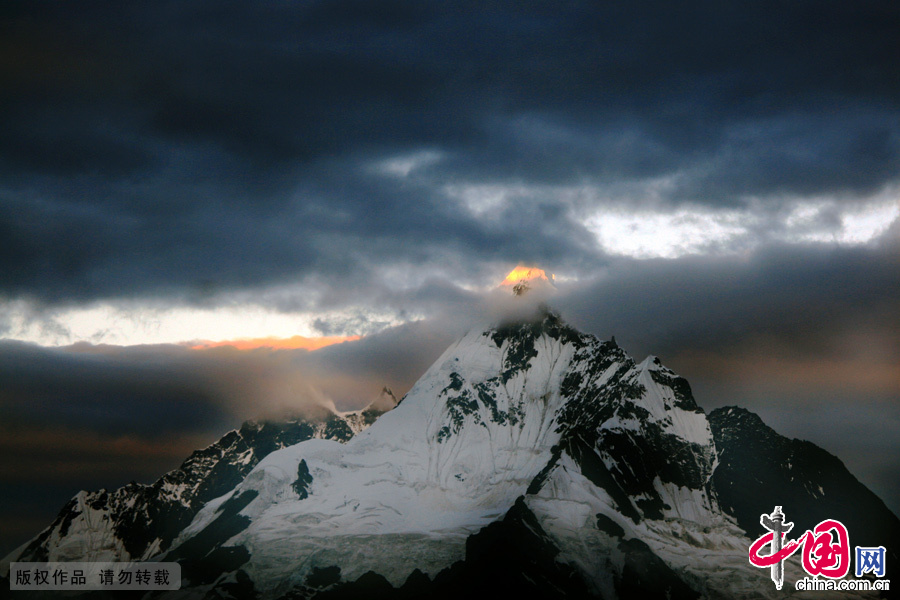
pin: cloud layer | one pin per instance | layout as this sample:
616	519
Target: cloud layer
187	148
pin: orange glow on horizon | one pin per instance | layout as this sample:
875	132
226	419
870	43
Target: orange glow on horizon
292	343
523	273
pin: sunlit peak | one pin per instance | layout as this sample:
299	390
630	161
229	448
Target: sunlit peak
523	278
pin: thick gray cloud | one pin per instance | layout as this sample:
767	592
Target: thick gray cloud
189	147
807	297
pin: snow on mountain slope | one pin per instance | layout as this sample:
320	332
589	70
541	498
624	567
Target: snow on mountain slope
500	414
630	484
137	521
451	458
580	507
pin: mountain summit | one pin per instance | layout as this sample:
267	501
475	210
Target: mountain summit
524	278
530	459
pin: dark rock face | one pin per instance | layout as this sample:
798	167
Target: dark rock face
645	575
634	458
203	557
463	403
592	466
301	484
759	469
511	558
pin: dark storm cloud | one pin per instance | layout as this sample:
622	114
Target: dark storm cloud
208	246
185	148
144	392
800	295
782	327
780	312
156	391
397	356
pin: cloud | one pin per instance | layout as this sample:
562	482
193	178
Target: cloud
797	317
79	456
291	343
802	295
190	150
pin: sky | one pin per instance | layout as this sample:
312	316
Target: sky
714	183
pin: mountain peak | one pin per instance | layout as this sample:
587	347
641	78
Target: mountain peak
362	418
524	278
385	401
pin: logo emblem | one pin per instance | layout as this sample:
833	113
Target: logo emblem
826	553
775	524
826	548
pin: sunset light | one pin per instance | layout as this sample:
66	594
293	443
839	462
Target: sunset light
292	343
522	273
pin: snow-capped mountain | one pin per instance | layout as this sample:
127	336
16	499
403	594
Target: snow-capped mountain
601	468
138	521
530	459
